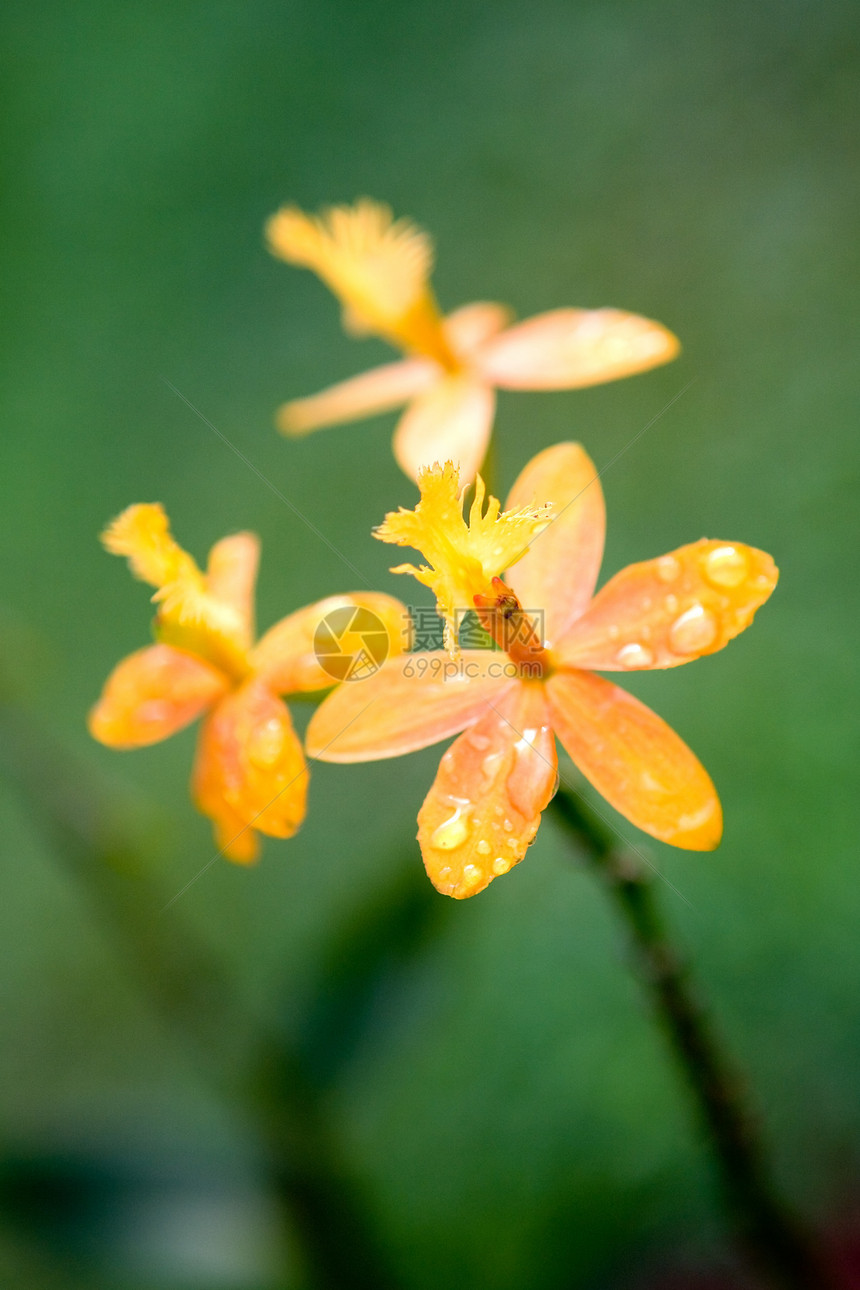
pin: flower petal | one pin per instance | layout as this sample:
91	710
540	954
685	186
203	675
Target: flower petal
668	611
250	771
410	703
287	656
635	760
231	576
451	421
472	325
484	808
566	349
559	571
379	390
152	694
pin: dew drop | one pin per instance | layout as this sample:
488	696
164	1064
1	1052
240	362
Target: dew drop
483	847
508	826
267	744
671	603
477	740
613	632
668	568
511	844
472	874
490	764
726	566
695	630
451	833
634	655
445	873
647	602
501	865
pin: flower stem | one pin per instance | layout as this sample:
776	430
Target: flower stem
774	1241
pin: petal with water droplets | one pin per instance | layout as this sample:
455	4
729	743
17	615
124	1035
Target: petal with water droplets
635	760
412	702
250	771
668	611
485	805
152	694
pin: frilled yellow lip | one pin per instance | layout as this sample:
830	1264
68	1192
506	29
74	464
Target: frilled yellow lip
378	267
463	558
191	615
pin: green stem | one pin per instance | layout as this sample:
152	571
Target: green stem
772	1238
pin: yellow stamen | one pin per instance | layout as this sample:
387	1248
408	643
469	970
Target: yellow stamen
378	268
463	558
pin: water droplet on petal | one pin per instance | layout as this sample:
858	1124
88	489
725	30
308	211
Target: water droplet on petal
668	568
613	632
634	655
472	874
501	865
647	602
511	844
267	743
726	566
451	833
694	631
508	826
483	847
490	764
478	740
671	603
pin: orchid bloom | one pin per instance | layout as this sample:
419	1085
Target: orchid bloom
250	774
380	271
485	804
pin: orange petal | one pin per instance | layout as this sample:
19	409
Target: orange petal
451	421
231	576
348	633
152	694
559	572
485	804
635	760
566	349
470	326
412	702
250	773
379	390
671	610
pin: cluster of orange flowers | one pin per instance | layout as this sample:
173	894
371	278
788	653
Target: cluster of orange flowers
551	634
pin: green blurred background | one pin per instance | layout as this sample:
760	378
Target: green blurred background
485	1070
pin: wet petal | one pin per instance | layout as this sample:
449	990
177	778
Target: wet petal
485	804
152	694
569	348
451	421
668	611
635	760
231	577
559	572
250	772
412	702
379	390
287	656
472	325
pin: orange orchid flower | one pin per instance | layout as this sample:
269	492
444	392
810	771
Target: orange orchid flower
494	781
380	271
250	774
